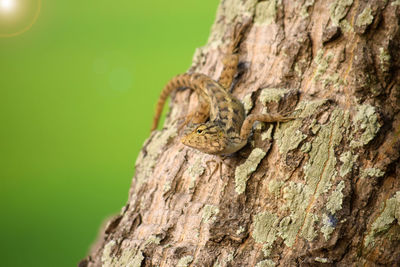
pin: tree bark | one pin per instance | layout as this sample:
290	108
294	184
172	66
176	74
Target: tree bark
320	190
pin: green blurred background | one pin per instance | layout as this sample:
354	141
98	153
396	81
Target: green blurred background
77	93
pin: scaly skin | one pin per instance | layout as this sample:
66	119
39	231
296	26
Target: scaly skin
227	129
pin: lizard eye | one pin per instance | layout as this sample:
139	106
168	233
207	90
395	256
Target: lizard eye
199	131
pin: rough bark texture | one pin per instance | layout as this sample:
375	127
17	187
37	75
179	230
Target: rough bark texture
320	190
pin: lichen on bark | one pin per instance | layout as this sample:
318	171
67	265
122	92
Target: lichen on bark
243	172
390	213
320	189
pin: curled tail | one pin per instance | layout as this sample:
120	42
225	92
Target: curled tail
193	81
172	85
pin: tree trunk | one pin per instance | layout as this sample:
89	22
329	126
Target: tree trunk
323	189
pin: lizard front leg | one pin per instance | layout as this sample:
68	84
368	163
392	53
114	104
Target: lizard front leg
251	119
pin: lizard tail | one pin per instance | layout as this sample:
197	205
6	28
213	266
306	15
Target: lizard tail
178	81
238	34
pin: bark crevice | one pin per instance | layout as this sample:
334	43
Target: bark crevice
325	189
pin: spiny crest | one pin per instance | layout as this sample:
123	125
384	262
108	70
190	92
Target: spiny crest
207	137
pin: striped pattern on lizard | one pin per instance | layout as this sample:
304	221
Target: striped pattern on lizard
227	128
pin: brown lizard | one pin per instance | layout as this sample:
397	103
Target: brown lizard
227	129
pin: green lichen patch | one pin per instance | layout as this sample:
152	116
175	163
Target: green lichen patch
396	3
264	227
384	55
128	257
299	67
348	160
195	171
274	187
152	240
382	223
266	263
310	107
259	126
371	172
289	227
322	260
272	95
346	26
296	196
306	147
308	231
185	261
268	133
266	12
247	103
240	230
225	261
366	120
365	18
243	172
320	167
288	135
338	10
146	161
126	260
293	194
229	257
322	159
318	171
315	126
106	257
335	80
267	250
327	227
322	64
209	212
300	199
335	200
167	186
384	58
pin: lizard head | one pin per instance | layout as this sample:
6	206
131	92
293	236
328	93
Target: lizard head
206	137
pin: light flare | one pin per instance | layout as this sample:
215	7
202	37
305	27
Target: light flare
7	5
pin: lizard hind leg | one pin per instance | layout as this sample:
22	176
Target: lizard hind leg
218	166
238	33
231	59
219	162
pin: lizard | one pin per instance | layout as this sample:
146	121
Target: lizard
227	128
